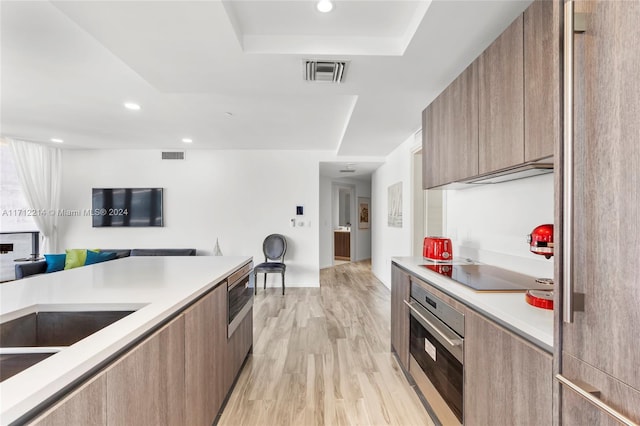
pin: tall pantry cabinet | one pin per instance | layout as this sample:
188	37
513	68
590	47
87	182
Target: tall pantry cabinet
598	358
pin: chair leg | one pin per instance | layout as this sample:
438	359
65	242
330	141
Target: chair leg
264	285
283	283
255	284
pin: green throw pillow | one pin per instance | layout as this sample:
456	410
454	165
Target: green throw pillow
75	258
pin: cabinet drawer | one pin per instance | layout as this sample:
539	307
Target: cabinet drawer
577	410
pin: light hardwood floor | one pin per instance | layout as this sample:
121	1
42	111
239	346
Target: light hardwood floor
321	356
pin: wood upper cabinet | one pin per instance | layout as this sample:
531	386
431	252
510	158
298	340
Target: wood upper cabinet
507	381
146	385
450	132
605	244
400	291
542	60
501	101
205	350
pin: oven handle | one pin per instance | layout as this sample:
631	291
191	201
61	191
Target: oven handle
453	342
239	281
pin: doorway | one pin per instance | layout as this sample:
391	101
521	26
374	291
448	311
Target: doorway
343	241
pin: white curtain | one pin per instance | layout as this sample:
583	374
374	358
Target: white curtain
39	169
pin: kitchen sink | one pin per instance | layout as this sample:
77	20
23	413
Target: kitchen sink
35	336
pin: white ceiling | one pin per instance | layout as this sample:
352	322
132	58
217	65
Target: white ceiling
67	68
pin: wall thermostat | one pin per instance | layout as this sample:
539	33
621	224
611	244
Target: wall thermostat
299	210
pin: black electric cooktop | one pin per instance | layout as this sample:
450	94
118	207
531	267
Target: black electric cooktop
487	277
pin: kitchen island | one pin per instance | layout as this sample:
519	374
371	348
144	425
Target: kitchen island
165	293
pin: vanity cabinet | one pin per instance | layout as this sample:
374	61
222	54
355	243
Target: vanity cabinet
400	291
342	245
507	380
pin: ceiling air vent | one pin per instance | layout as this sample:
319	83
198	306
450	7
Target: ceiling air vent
173	155
348	168
324	71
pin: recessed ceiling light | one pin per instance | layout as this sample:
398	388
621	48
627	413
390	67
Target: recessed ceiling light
324	6
187	140
228	114
132	106
56	140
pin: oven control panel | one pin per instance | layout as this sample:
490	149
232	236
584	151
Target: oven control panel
445	312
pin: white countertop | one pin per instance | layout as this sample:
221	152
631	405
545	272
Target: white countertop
507	309
158	286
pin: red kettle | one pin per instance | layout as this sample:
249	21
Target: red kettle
541	240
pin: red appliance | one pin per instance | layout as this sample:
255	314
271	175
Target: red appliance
541	240
445	270
437	248
540	298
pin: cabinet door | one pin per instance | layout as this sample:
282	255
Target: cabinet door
507	381
501	101
606	200
450	132
432	148
400	289
84	406
205	345
462	109
146	385
238	346
577	411
542	78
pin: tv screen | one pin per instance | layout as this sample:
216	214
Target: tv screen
126	207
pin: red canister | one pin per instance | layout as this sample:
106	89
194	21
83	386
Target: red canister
437	248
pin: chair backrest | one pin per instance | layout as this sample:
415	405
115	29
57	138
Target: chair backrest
274	247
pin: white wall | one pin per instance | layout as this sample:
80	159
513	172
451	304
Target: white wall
328	218
490	223
237	196
387	242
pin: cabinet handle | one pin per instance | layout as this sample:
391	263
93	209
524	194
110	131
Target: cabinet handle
567	182
452	342
591	396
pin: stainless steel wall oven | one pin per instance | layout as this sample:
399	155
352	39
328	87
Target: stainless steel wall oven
239	296
437	353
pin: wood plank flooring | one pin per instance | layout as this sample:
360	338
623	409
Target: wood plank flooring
321	356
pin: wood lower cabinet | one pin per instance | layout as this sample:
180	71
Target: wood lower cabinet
400	291
84	406
205	346
501	101
237	347
342	245
180	374
507	380
146	385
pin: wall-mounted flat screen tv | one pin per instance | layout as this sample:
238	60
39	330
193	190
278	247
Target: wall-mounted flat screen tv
126	207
